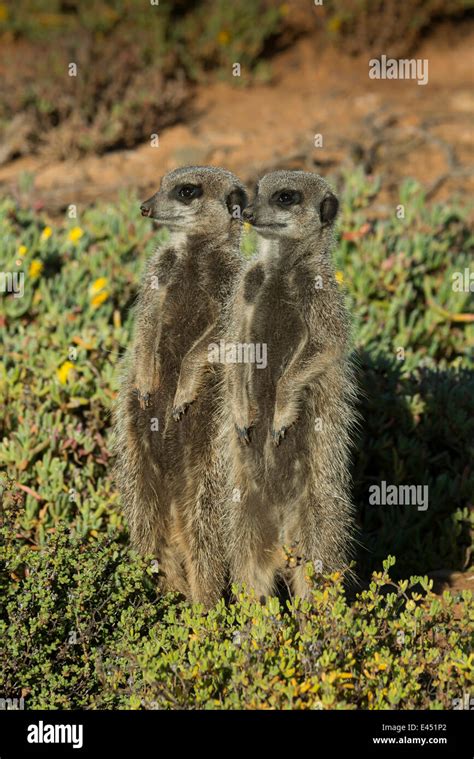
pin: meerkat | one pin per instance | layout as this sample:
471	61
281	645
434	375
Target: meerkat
165	420
288	433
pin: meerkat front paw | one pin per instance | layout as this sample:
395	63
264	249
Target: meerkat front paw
281	424
182	401
179	411
146	383
243	434
144	399
278	435
244	420
243	425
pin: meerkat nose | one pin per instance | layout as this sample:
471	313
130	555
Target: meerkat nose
248	214
145	209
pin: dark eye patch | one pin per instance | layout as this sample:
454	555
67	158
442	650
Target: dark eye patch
186	193
286	198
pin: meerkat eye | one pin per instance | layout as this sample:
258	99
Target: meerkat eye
188	191
287	197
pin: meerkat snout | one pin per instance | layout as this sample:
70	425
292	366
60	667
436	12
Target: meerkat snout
292	204
145	208
248	214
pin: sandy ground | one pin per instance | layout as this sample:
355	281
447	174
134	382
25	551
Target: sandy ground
393	128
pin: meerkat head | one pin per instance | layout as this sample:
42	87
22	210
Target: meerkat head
197	200
292	204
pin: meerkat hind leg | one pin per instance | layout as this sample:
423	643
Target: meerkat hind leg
257	556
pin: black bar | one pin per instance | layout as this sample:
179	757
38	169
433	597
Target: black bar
306	733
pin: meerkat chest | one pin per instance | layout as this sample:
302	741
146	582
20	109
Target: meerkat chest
274	315
280	300
185	303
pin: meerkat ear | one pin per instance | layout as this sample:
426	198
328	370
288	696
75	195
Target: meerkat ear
328	208
236	201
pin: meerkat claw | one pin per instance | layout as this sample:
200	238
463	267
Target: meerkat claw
243	433
144	399
278	435
179	411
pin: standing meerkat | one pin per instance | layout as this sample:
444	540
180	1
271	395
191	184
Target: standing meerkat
289	436
165	419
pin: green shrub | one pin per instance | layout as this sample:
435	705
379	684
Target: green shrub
82	628
135	65
388	26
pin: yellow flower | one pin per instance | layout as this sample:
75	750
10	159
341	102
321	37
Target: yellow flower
98	285
247	226
99	298
36	267
3	12
46	233
223	37
75	234
98	294
22	250
335	24
339	277
63	372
